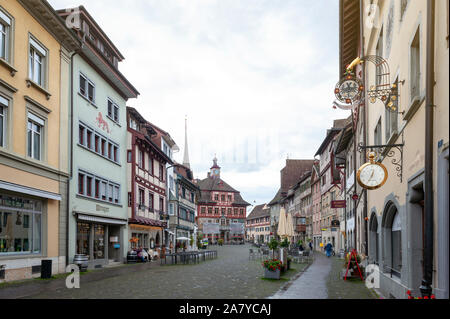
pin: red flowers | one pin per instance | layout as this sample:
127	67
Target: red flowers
424	297
272	264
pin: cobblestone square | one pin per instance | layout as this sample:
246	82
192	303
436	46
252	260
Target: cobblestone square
231	275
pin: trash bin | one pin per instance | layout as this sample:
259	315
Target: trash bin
46	268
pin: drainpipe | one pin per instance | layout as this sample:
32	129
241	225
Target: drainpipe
426	287
70	157
363	76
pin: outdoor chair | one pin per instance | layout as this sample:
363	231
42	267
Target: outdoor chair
251	254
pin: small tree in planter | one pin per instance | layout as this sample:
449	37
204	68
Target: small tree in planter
283	254
272	268
284	243
273	244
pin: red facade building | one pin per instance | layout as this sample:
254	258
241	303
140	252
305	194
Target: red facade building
221	209
147	184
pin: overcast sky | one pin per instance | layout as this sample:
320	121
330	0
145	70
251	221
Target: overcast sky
255	78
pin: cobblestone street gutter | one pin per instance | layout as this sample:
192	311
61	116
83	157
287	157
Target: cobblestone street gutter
339	288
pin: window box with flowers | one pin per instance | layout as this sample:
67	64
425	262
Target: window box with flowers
272	268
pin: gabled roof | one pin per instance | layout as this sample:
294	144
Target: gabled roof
210	184
259	211
276	199
338	125
293	171
344	139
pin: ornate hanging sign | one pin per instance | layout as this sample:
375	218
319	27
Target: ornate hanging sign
348	90
383	90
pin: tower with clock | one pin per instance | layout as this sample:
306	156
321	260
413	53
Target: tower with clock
215	169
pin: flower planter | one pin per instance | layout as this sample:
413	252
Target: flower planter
271	274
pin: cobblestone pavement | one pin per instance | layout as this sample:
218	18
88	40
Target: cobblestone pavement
231	275
322	281
346	289
311	284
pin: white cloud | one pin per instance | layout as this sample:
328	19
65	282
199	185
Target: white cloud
253	77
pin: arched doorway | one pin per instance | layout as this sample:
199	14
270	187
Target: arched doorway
392	239
373	239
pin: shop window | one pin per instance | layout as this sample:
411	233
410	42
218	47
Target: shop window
83	233
20	231
99	241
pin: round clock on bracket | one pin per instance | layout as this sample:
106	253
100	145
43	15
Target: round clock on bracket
372	175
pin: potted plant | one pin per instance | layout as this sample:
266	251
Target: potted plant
272	268
285	243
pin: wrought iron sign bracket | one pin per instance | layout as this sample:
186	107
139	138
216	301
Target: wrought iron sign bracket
388	150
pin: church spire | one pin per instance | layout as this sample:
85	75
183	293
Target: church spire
186	152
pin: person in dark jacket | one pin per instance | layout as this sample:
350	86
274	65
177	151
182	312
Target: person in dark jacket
328	249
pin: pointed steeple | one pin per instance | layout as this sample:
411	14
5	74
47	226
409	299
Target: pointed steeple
186	151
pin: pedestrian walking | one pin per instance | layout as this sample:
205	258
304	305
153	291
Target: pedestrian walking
310	246
328	249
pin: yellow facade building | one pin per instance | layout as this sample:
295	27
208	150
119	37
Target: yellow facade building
35	51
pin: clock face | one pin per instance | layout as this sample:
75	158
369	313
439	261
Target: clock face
372	175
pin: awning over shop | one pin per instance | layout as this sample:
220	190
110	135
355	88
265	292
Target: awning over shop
104	220
29	191
147	221
182	238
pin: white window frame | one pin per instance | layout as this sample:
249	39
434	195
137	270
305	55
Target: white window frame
95	133
4	104
114	107
6	21
37	49
87	81
107	188
39	122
